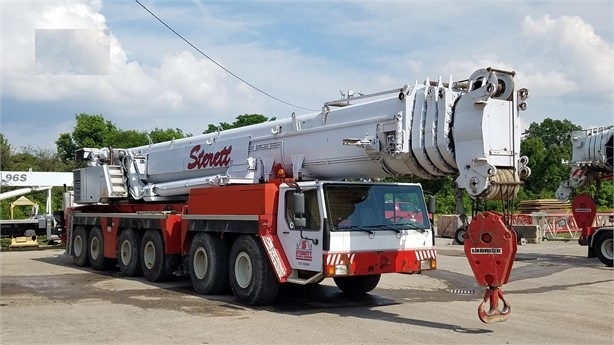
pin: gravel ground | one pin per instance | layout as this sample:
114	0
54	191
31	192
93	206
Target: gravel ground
557	295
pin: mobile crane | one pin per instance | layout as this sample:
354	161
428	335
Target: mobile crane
297	201
592	160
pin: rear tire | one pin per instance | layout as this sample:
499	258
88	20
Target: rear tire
129	253
79	247
209	264
95	250
357	285
251	276
156	265
459	236
604	247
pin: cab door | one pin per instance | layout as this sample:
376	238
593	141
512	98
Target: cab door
303	252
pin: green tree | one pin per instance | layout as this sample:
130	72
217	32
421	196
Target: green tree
158	135
96	132
604	197
552	132
547	144
89	131
533	147
38	160
126	138
241	121
66	147
5	152
93	131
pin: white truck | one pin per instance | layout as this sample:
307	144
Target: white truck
592	160
297	200
31	181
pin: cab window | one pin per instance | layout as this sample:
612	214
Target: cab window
312	210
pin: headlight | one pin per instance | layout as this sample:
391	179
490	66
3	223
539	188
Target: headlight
337	270
428	264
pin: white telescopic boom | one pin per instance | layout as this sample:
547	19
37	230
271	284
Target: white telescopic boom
469	128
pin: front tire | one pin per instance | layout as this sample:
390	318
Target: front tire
357	285
251	276
156	265
604	247
79	247
209	264
129	256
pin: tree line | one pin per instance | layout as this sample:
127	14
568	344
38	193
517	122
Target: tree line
546	144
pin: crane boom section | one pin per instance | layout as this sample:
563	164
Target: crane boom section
592	158
469	128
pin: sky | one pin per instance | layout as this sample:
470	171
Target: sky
62	58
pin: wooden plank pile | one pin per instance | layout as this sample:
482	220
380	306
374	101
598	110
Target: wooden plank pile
544	205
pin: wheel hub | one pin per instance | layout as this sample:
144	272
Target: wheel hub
200	263
95	248
243	270
607	248
126	252
149	255
78	246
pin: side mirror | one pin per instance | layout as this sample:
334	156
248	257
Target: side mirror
299	210
431	204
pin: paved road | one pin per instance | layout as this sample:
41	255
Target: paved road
557	295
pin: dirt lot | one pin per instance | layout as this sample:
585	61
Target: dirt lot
557	295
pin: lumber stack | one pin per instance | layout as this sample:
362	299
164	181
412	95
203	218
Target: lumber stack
544	205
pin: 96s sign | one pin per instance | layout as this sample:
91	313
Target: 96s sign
14	177
36	178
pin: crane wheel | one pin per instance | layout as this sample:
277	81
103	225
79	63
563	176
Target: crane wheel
209	264
79	247
95	250
251	276
156	265
129	256
604	247
357	285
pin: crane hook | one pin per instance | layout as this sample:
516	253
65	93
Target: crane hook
492	296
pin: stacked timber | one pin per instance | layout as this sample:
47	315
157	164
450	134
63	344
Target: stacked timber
544	205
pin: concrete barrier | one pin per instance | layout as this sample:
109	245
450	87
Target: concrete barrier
447	225
531	233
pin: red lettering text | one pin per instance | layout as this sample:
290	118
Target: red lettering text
202	159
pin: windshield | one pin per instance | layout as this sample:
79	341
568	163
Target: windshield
375	207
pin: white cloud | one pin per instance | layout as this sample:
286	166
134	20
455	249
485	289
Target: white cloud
72	51
21	22
180	82
155	79
572	57
192	80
